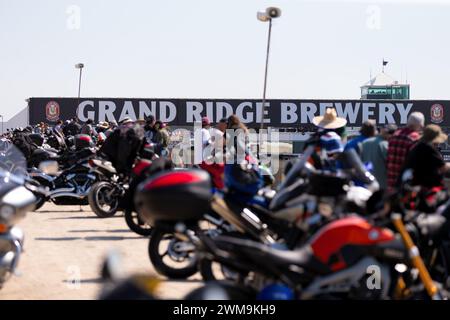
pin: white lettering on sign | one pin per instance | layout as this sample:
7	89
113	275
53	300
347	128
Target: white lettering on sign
168	111
81	113
367	111
404	111
248	116
127	111
193	111
283	113
349	112
288	112
106	110
259	112
307	112
224	110
386	113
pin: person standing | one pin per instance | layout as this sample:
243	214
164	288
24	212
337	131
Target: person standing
149	128
375	150
73	128
367	130
58	127
428	169
161	138
426	161
400	144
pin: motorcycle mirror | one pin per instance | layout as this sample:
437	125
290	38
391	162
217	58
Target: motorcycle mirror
49	167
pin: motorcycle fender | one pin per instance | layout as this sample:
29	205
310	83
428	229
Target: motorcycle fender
21	199
6	260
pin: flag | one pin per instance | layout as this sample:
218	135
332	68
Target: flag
385	62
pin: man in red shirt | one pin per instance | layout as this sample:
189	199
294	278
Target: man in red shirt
399	146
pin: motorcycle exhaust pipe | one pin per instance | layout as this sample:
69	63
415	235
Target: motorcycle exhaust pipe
417	261
72	194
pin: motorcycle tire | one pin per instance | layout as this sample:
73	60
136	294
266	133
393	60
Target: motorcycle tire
158	262
206	266
39	203
132	221
93	198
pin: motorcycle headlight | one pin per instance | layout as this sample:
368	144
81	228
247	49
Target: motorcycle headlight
6	212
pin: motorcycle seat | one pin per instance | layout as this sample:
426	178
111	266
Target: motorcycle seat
283	196
302	257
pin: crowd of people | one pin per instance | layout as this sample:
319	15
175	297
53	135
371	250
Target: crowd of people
390	151
387	150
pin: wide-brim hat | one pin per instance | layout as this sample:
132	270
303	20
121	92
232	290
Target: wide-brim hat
329	120
103	125
126	121
433	133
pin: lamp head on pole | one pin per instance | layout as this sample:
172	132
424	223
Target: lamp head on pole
269	14
79	66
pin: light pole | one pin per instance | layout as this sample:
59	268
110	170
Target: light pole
79	66
267	16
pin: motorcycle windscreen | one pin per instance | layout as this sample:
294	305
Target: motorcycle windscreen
15	199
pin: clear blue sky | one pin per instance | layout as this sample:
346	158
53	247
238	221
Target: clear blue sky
216	49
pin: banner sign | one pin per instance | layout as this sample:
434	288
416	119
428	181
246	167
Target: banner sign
277	113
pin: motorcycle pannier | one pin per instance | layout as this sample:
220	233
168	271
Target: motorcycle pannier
83	141
179	195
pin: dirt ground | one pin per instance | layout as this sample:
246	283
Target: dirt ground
64	252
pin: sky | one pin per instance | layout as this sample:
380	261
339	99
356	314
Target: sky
216	49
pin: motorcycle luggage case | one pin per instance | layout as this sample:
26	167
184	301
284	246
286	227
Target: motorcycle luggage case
179	195
82	141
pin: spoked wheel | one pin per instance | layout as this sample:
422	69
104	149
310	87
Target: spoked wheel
171	256
136	224
103	199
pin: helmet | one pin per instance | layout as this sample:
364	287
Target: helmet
276	292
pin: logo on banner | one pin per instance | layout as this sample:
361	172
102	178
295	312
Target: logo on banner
52	111
437	113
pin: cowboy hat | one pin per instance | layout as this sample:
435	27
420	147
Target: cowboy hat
103	125
329	120
126	121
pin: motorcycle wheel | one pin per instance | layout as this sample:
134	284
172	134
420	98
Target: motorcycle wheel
170	263
135	225
214	271
104	205
40	202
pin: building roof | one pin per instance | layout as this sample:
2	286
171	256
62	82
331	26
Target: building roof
381	79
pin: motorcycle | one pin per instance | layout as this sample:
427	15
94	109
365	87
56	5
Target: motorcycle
351	257
69	187
104	196
16	199
288	216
